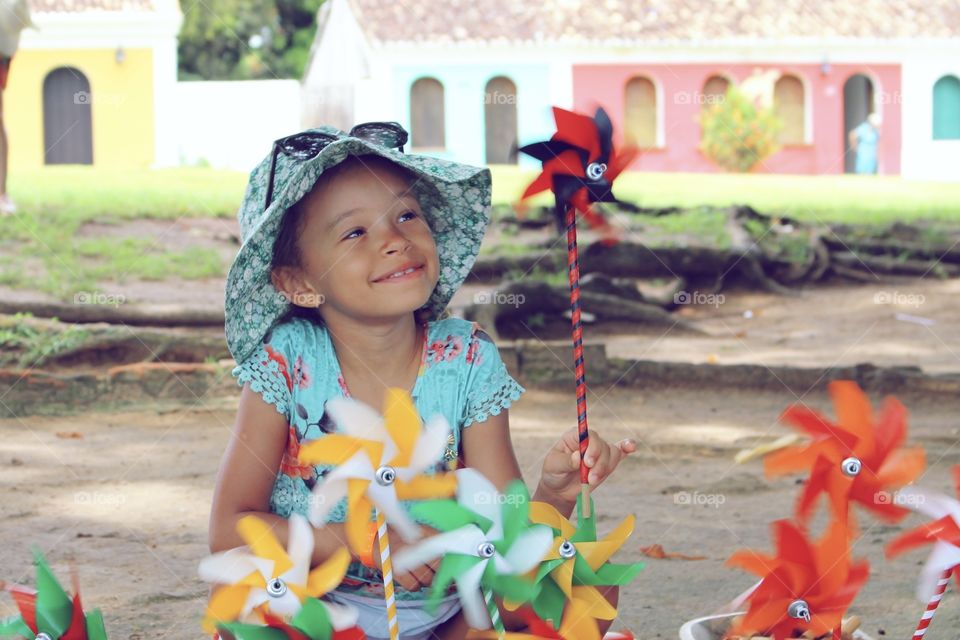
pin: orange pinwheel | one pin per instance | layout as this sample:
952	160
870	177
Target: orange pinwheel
805	586
855	459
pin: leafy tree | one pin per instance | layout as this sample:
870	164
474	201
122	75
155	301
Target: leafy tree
737	134
246	39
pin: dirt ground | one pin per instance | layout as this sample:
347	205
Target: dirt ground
125	497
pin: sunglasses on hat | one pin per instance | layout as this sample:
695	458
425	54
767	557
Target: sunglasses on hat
308	144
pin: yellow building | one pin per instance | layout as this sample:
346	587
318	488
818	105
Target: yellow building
93	84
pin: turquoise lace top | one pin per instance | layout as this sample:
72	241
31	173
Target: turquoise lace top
296	370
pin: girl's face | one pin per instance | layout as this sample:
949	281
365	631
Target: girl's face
361	229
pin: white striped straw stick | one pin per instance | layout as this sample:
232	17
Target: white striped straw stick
386	566
933	604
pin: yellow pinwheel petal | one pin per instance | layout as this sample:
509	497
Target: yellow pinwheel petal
253	579
359	508
328	575
225	605
337	448
597	553
263	543
578	623
427	487
597	606
402	422
543	513
562	574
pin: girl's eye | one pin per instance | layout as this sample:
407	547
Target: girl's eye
351	234
412	214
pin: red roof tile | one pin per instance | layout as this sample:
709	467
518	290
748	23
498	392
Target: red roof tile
491	21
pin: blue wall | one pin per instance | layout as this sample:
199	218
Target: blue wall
463	93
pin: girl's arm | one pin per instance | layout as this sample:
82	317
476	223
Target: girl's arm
247	475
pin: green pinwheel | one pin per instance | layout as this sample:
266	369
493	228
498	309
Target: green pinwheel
487	543
575	566
48	612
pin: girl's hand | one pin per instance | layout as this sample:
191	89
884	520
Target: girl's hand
560	477
418	578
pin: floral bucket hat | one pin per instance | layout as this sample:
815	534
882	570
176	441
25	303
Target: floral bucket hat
454	197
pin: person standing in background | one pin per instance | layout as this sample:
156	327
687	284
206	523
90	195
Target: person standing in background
14	18
864	141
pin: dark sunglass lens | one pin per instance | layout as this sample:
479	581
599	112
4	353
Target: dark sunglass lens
306	146
387	134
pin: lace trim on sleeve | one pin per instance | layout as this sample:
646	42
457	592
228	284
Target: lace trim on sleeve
497	395
265	378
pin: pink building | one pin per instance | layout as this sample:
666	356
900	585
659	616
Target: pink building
657	106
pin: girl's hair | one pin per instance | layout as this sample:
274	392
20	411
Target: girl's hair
286	251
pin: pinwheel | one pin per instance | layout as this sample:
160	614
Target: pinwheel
537	629
378	462
852	460
805	586
943	533
48	612
576	564
268	580
486	540
579	166
312	622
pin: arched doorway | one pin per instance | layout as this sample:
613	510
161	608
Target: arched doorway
67	118
858	103
500	120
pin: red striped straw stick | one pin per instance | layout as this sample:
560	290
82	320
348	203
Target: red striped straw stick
933	604
573	264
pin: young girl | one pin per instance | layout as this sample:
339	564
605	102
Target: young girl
351	252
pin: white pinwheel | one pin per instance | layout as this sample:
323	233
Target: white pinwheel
378	461
943	532
487	541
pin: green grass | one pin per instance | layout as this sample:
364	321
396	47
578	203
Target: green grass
54	203
816	199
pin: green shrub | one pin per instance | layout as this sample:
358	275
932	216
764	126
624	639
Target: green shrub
737	134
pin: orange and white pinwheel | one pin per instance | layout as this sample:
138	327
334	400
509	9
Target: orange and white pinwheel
265	578
943	532
855	459
379	461
806	586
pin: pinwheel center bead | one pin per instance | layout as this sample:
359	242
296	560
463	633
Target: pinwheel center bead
486	550
276	588
595	170
42	636
386	475
567	550
851	467
799	610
